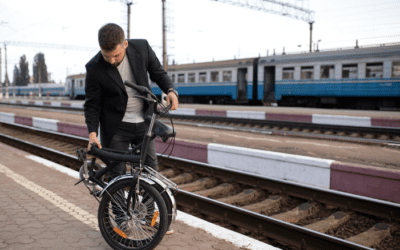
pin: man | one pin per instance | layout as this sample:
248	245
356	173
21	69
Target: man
111	104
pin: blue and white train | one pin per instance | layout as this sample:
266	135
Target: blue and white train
46	89
359	78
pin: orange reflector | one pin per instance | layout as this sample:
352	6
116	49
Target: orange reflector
153	221
120	232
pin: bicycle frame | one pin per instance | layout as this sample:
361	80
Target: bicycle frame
150	176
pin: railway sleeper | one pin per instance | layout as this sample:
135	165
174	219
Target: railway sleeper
170	172
223	190
330	223
268	206
184	178
375	235
204	183
245	197
301	212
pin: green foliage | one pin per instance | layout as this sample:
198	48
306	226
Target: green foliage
21	74
39	69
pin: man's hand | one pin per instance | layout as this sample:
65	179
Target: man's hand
93	139
172	97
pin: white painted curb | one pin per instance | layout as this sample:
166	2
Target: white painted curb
342	120
7	117
43	123
256	115
303	169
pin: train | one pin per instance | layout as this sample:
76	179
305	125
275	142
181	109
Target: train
356	78
365	77
45	89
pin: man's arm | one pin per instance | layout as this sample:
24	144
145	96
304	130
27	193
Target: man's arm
159	76
92	107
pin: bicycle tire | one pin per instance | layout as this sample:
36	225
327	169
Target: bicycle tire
145	230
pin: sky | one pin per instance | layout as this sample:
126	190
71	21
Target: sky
198	30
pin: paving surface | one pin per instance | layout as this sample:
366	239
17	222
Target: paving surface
41	208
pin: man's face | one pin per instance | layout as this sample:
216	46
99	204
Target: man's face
115	56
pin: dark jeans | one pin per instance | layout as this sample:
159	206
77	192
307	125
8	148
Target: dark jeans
126	134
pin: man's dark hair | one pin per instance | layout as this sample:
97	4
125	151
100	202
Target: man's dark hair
110	36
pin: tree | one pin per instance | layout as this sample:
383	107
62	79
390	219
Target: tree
21	74
39	69
17	77
24	71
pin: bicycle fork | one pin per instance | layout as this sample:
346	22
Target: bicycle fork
134	188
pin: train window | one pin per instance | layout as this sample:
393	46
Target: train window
307	72
349	71
396	69
227	76
327	71
191	77
173	78
288	73
215	76
374	70
181	78
203	77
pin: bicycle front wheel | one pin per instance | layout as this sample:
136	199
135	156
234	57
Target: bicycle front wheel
148	222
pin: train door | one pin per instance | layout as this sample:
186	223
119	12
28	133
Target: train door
72	96
242	85
269	85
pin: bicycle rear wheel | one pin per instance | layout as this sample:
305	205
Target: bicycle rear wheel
149	221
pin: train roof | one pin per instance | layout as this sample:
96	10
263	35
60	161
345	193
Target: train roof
336	54
213	64
77	76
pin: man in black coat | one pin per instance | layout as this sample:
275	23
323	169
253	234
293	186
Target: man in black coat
113	106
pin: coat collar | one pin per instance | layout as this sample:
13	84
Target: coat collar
134	61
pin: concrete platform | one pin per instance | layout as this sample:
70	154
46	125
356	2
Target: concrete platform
358	118
41	208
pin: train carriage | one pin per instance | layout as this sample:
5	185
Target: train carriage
219	82
364	78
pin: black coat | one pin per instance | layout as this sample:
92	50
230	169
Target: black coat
106	97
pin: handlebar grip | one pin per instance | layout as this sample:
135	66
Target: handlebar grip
94	150
140	89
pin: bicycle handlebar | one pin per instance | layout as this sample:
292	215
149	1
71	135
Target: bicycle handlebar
144	90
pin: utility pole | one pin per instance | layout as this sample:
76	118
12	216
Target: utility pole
311	23
164	29
129	17
1	82
40	78
5	54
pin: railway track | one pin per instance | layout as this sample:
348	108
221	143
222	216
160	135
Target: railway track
281	213
389	137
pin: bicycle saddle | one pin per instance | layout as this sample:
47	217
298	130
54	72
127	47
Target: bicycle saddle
160	129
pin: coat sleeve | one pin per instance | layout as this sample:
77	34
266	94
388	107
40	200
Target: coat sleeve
156	72
92	103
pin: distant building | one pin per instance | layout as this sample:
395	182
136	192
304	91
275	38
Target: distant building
78	80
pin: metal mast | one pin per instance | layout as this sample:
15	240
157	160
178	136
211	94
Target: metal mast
1	82
279	8
6	83
129	17
164	30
